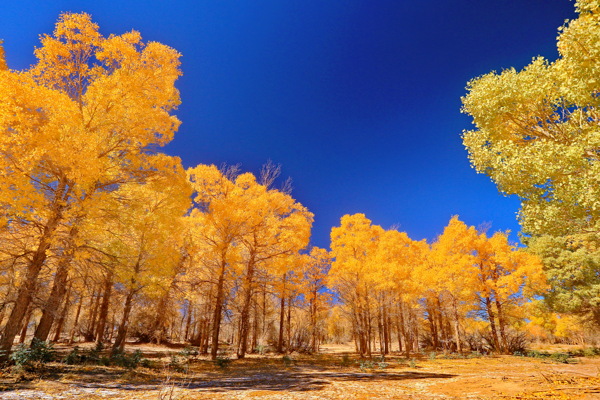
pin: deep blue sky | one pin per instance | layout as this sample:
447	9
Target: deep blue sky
358	100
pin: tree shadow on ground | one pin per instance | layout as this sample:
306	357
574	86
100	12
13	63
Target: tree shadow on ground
292	381
299	381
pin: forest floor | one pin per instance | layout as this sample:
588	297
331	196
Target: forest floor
336	373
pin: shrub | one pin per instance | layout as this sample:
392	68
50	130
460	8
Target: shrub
74	357
122	359
34	356
222	361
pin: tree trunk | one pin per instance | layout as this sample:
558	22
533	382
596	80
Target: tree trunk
122	332
501	328
433	327
492	318
281	317
52	305
188	321
28	288
289	348
102	318
245	314
77	314
63	316
26	324
456	326
218	310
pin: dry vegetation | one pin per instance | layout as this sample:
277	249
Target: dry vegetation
337	373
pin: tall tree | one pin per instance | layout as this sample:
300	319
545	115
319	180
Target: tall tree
536	131
81	121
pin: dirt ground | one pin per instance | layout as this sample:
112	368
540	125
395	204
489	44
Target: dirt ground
334	374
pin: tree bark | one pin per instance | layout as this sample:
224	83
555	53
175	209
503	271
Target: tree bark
281	317
29	286
218	310
456	326
492	319
52	304
122	332
102	318
501	327
245	314
63	316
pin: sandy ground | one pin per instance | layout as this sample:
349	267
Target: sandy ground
334	374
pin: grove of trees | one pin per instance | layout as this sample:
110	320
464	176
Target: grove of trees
104	238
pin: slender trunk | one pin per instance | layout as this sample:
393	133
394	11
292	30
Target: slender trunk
289	347
122	332
255	321
63	316
386	340
94	300
492	318
314	347
108	284
158	325
281	315
415	330
77	314
456	326
26	325
501	327
368	322
29	286
218	310
440	323
399	332
281	324
433	327
188	321
245	314
52	305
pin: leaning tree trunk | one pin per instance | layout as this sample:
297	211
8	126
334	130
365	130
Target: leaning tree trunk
28	288
492	318
122	332
52	305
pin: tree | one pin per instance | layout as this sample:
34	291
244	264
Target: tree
506	278
147	240
537	136
82	121
452	274
572	264
353	248
536	131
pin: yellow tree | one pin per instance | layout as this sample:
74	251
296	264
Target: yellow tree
219	218
452	274
147	239
78	123
243	227
277	226
353	248
390	272
506	277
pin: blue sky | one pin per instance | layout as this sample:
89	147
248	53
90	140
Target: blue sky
358	100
